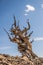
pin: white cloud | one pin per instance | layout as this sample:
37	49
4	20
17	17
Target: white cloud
41	5
38	39
29	8
6	47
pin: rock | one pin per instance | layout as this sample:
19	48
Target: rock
23	60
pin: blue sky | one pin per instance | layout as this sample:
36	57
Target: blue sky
23	10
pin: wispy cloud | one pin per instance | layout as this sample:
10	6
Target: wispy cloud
28	9
4	48
25	14
41	5
38	39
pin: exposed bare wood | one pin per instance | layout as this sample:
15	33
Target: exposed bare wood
20	37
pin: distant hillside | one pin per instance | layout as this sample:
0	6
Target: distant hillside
10	60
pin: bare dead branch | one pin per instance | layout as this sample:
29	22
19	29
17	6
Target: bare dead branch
26	29
30	34
7	34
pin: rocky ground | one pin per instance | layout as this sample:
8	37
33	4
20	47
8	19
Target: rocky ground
10	60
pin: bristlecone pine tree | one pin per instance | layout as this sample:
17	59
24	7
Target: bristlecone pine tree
21	37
